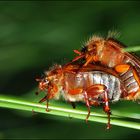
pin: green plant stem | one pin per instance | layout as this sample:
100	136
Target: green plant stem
133	49
13	103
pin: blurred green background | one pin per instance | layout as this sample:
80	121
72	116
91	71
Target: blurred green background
36	35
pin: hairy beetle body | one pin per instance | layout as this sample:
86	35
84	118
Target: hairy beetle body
105	73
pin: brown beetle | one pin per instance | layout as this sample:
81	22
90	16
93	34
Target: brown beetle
110	53
106	73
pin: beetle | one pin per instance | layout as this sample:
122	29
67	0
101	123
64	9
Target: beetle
93	84
110	53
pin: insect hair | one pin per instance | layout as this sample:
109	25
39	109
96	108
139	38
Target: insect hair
113	34
53	67
93	38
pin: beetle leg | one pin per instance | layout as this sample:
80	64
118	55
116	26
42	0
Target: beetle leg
87	104
107	108
95	90
92	91
47	105
73	105
77	52
78	57
43	100
94	103
89	59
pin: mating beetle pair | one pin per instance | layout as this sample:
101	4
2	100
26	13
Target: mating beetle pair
101	73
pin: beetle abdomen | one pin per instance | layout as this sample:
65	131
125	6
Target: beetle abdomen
111	82
129	81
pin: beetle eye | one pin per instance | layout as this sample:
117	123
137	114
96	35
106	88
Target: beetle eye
46	81
84	49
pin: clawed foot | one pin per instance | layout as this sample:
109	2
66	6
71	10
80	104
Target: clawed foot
108	126
48	110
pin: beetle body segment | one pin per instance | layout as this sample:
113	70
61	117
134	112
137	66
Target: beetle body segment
83	80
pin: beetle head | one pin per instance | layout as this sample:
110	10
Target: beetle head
92	49
51	83
93	44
